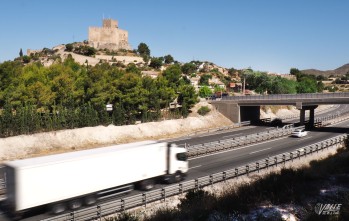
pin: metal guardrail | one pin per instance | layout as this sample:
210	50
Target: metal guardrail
221	145
2	183
109	208
289	96
328	120
235	125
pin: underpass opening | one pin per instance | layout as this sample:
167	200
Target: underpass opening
250	113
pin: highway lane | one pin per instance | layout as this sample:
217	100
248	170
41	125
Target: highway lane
247	130
218	162
220	135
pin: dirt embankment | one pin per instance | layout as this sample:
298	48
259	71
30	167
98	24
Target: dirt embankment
25	146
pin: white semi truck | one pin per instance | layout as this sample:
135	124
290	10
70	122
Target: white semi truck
70	180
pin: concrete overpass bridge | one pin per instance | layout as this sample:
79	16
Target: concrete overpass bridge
243	108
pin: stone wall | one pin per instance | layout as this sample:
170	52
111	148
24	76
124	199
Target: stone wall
109	36
31	51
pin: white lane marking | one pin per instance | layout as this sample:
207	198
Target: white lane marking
195	167
260	150
232	135
304	138
236	148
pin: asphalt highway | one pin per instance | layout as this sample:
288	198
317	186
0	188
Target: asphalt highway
218	162
247	130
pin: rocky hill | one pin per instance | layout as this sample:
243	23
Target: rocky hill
336	72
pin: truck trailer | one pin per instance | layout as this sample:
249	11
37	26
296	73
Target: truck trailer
71	180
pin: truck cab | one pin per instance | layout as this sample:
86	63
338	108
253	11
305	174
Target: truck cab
178	164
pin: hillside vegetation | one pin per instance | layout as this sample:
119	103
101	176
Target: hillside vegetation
49	90
67	95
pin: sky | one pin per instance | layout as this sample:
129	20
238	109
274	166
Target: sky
265	35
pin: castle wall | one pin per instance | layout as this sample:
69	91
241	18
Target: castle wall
109	36
31	51
110	23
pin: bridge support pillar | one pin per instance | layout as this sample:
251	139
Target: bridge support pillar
311	115
302	117
229	110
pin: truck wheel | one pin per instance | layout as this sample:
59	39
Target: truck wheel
90	200
75	204
177	177
58	208
147	184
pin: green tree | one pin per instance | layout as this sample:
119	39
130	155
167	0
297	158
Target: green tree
321	78
188	68
297	73
187	95
263	82
204	91
143	49
26	59
320	87
184	80
20	53
258	81
69	47
6	118
168	59
204	79
307	85
281	85
218	88
132	68
155	63
173	74
294	71
85	50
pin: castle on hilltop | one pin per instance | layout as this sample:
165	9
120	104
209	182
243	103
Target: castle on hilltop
109	36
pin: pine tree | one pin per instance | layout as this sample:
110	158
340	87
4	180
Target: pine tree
21	53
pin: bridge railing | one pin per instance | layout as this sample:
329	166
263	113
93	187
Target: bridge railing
289	96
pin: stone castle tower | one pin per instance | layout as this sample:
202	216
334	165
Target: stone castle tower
109	36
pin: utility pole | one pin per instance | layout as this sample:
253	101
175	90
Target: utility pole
243	91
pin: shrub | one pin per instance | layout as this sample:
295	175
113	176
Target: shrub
346	143
69	47
204	110
164	214
197	205
123	217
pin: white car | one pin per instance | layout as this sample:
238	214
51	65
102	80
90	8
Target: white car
299	133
